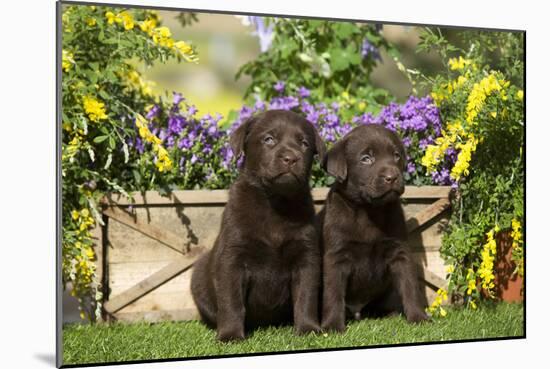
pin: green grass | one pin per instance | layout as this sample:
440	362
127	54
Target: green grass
144	341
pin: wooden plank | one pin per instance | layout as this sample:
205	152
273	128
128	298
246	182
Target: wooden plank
164	236
411	192
150	283
193	197
158	316
427	214
97	237
220	197
124	276
434	279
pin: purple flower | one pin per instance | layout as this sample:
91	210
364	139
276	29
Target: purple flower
407	141
284	103
178	98
264	33
368	49
139	145
176	124
279	86
184	143
153	112
303	92
411	168
192	110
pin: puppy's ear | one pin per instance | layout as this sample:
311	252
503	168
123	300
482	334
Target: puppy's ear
320	147
403	153
238	138
335	161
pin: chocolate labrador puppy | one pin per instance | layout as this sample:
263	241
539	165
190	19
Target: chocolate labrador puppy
264	268
367	267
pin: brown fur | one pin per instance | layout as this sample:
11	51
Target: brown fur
367	265
264	268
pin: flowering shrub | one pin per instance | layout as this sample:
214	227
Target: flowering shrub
101	92
483	122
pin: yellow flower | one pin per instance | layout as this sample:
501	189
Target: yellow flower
67	60
148	25
473	304
110	17
519	95
90	253
127	20
494	114
91	22
443	312
185	50
450	269
163	37
460	63
85	213
75	215
471	286
94	108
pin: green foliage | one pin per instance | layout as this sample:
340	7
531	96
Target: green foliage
102	93
329	58
484	112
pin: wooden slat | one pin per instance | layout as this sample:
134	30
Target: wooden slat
164	236
97	237
426	192
150	283
194	197
434	279
411	192
427	214
220	197
158	316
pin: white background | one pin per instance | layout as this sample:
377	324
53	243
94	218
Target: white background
27	180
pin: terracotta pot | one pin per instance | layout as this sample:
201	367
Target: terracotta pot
508	286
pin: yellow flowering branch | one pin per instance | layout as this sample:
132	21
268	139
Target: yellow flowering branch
161	36
163	162
517	247
460	133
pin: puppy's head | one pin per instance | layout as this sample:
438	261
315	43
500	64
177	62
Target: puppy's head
368	163
278	148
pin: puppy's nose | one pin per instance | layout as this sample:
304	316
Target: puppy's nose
390	178
289	158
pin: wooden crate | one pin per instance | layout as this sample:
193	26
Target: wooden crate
147	247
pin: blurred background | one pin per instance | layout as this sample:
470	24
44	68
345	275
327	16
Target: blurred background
226	42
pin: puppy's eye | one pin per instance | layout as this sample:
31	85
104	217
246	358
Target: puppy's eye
396	156
269	140
367	159
305	143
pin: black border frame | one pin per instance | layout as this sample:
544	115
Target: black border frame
59	222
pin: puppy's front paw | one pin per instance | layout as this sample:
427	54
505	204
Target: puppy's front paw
417	316
230	335
307	327
333	326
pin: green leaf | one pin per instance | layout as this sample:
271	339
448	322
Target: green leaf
100	139
104	95
112	143
338	59
345	29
